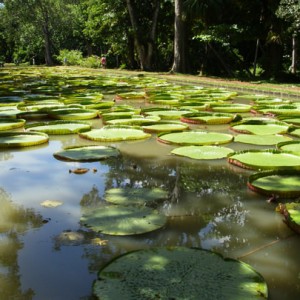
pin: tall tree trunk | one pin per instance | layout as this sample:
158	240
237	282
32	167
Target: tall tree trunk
47	43
294	55
179	63
144	46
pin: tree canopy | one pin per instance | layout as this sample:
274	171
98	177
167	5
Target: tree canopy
229	38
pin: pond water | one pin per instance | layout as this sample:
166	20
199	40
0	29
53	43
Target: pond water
46	253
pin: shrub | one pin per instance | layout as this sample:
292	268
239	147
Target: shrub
69	57
93	61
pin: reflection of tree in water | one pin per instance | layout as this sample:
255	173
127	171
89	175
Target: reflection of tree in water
14	221
204	206
5	155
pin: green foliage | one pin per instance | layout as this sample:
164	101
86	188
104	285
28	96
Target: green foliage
93	61
70	57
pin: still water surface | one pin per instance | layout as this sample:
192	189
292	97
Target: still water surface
210	207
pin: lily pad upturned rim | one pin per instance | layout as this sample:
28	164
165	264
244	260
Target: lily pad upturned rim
83	154
203	152
27	139
280	146
253	165
123	220
276	188
178	273
291	213
208	118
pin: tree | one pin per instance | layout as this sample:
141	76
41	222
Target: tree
45	19
180	45
289	11
144	17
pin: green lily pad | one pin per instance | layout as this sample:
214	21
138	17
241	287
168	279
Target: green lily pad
59	127
22	139
261	127
231	107
115	133
10	123
291	212
207	118
167	114
281	183
134	196
290	146
87	153
203	152
270	139
123	220
134	120
73	114
178	273
195	138
265	159
165	127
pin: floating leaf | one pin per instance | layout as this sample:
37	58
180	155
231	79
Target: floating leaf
22	139
87	153
265	159
203	152
178	273
291	212
73	114
290	146
270	139
165	127
207	118
114	134
123	220
281	183
133	196
231	107
261	127
59	127
9	123
195	138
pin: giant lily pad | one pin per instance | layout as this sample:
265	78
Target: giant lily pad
270	139
261	127
231	107
87	153
133	196
123	220
265	159
178	273
195	138
290	146
22	139
165	127
115	133
207	118
73	114
10	123
202	152
291	212
134	120
59	127
281	183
